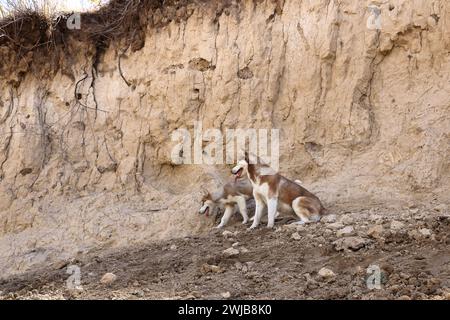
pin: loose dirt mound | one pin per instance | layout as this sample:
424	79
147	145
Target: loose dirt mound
412	253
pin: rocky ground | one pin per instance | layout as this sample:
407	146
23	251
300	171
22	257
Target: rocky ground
331	259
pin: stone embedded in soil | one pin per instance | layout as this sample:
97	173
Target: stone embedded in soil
350	243
397	225
173	247
296	236
331	218
375	231
425	232
346	219
231	252
414	234
206	268
108	278
244	250
226	295
347	231
335	226
441	208
326	273
227	234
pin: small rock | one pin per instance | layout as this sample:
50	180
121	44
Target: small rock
375	231
296	236
227	234
108	278
346	219
326	273
347	231
331	218
441	208
425	232
335	226
231	252
351	243
404	298
397	225
414	234
173	247
244	250
226	295
138	293
206	268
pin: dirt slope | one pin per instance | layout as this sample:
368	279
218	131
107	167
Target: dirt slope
86	116
414	262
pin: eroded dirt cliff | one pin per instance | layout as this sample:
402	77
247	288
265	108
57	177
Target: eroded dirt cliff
85	140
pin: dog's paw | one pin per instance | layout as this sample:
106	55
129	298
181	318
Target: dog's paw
218	227
251	228
245	222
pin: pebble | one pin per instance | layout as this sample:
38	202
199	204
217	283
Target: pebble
331	218
173	247
227	234
296	236
108	278
414	234
397	225
425	232
441	208
375	231
326	273
244	250
231	252
346	219
347	231
335	226
352	243
210	268
226	295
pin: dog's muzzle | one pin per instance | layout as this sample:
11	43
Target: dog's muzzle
237	172
204	210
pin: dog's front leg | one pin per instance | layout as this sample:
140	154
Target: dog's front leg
242	204
272	205
226	216
259	207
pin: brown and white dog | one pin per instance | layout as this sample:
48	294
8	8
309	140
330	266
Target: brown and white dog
278	194
232	194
